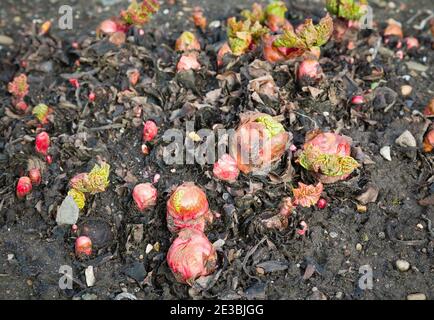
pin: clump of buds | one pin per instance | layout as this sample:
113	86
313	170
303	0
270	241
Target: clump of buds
198	18
24	187
188	207
41	112
35	176
150	130
42	143
145	196
19	89
97	180
348	13
136	15
188	61
328	156
226	169
191	256
244	35
258	142
187	41
307	195
83	247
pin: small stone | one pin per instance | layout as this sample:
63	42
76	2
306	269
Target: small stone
402	265
419	226
406	90
68	212
381	235
215	24
359	247
416	296
339	295
90	276
391	5
361	208
89	296
260	271
333	235
385	152
149	248
416	66
5	40
166	11
11	256
406	139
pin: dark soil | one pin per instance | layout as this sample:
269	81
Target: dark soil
33	247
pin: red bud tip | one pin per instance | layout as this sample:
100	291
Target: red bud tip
74	228
145	196
356	100
24	187
22	106
226	169
92	97
42	143
156	178
83	246
74	82
322	203
49	159
35	176
191	256
150	130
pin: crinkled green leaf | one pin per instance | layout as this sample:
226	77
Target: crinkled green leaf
256	14
272	127
242	33
276	8
347	9
308	35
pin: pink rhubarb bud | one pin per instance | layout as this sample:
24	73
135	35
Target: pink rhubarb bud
307	195
303	228
145	196
188	61
224	49
226	169
24	187
286	207
411	42
309	72
35	176
188	207
258	142
19	87
191	256
108	26
150	130
83	246
21	106
428	141
42	143
198	18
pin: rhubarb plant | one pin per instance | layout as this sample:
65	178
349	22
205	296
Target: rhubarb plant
97	180
328	156
259	141
243	35
307	37
349	10
19	89
41	112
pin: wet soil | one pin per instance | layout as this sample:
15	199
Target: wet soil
254	262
